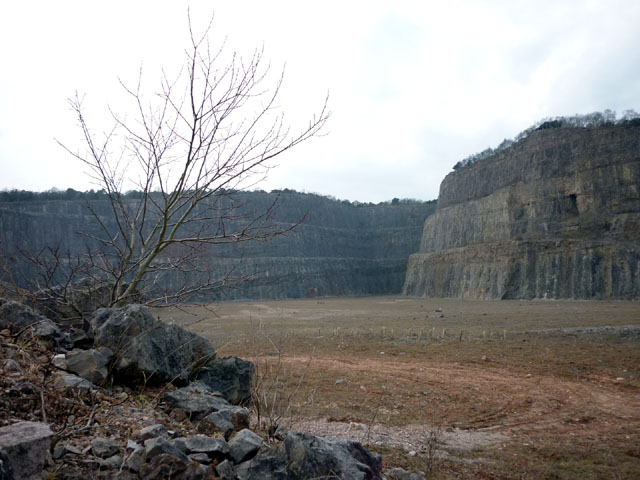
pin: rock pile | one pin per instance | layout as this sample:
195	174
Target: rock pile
74	394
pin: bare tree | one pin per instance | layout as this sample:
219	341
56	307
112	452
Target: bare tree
209	132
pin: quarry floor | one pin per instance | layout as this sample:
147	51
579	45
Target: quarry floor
449	388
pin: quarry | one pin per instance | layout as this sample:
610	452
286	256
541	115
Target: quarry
492	333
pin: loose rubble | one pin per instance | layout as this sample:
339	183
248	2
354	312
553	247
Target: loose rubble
79	415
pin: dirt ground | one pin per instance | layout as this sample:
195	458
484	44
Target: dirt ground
449	388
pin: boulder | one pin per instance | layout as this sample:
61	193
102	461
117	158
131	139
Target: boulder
104	447
226	471
70	304
92	365
194	402
215	448
23	449
111	463
302	456
166	466
159	446
225	421
63	381
244	445
15	316
18	318
147	350
135	460
231	376
78	338
152	431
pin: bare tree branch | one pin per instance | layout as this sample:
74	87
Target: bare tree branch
212	130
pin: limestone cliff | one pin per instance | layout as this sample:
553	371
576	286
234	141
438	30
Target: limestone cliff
555	215
339	248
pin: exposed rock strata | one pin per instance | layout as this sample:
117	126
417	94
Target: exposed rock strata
338	249
557	215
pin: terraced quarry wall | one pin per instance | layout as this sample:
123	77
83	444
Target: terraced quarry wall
556	215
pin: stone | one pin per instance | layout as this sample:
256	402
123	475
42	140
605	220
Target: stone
226	471
401	474
158	446
225	421
303	456
231	376
58	452
104	447
74	450
146	350
243	445
78	338
281	432
111	463
59	360
72	304
242	470
11	365
217	422
135	460
215	448
202	458
17	318
131	445
23	450
68	380
92	365
166	466
195	403
152	431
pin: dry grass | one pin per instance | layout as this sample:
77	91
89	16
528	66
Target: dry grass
514	396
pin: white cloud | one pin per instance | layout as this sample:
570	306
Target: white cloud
414	86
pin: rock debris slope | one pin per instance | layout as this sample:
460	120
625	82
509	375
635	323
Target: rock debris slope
556	215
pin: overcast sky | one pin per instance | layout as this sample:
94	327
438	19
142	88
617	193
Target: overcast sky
415	86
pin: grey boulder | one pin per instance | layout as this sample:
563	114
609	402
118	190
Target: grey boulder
302	456
215	448
104	447
165	466
23	449
196	403
92	365
231	376
244	445
225	421
159	446
226	471
146	349
19	318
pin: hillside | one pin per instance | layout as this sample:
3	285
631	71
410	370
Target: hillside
554	215
339	248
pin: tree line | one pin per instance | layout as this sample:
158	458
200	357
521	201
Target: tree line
16	195
589	120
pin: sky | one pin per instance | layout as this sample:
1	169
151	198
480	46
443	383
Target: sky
414	86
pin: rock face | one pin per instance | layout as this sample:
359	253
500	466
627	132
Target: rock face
339	248
557	215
